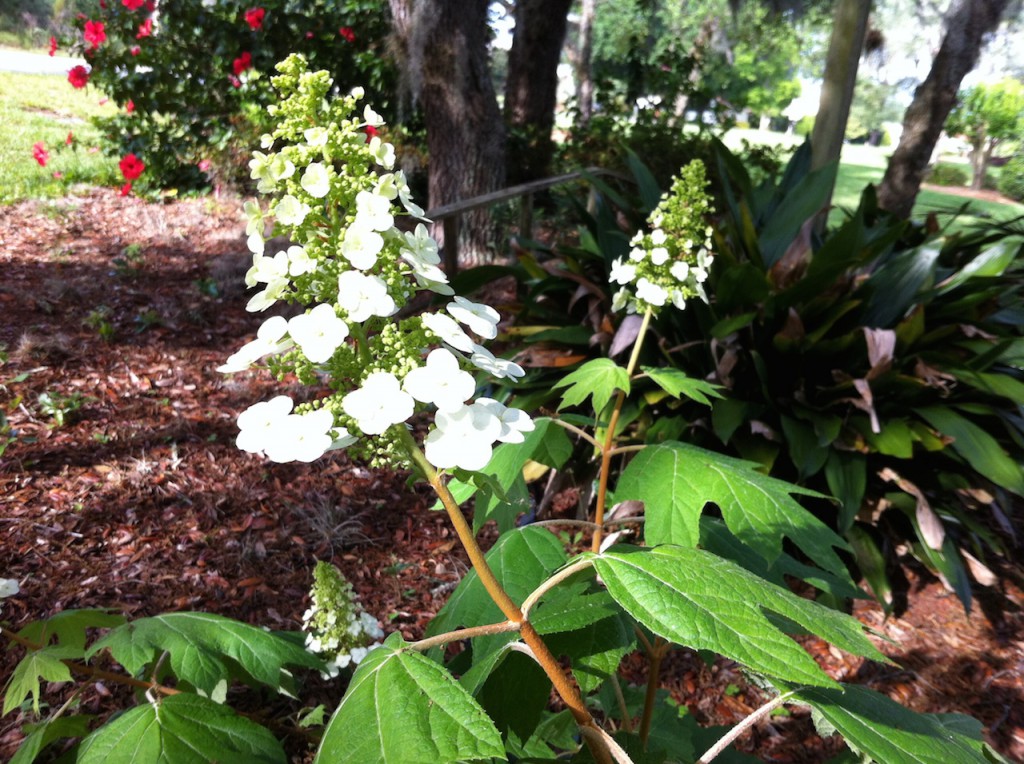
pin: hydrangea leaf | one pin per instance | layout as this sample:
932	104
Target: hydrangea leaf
69	627
676	480
599	378
887	732
46	664
180	729
521	560
677	384
41	735
697	599
198	643
402	706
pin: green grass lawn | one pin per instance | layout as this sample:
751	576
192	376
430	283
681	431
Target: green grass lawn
861	165
36	107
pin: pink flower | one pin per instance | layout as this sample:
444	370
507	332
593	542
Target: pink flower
254	18
126	190
204	165
130	106
58	175
78	76
53	45
242	63
40	154
145	29
309	35
135	50
131	167
347	34
132	5
95	34
235	82
103	101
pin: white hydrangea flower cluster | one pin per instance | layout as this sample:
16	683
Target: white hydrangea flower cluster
337	628
670	264
335	195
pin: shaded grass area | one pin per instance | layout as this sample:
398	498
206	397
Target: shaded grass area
44	107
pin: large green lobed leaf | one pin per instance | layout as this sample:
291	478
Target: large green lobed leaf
403	708
198	643
181	729
697	599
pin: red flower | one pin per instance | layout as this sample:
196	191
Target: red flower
371	132
126	190
242	63
53	45
78	76
347	34
254	18
40	154
309	35
130	106
70	139
131	167
132	5
95	34
145	29
135	50
150	5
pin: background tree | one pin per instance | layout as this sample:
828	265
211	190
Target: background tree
968	22
531	86
442	47
988	115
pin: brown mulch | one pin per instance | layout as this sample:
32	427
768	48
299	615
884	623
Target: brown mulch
119	310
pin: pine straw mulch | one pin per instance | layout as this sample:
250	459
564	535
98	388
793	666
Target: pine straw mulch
140	502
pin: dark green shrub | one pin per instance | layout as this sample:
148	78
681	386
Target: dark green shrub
194	80
1011	178
948	175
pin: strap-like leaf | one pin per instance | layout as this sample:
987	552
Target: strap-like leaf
696	599
180	729
403	707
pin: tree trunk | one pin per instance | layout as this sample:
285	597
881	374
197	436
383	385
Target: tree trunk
443	44
584	74
531	88
967	23
844	50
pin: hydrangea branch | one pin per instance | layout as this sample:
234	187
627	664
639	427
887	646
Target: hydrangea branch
459	634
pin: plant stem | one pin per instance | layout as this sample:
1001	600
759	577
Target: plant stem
454	636
606	449
564	684
552	582
727	739
657	652
578	431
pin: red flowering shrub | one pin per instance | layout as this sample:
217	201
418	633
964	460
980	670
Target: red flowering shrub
40	154
131	167
198	73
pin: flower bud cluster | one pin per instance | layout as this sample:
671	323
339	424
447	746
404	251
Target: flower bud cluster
337	628
670	264
335	194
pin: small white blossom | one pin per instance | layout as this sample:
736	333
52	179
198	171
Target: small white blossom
316	180
373	211
502	368
421	245
362	296
440	382
8	587
482	319
636	254
659	255
679	270
372	118
383	153
255	243
379	403
462	438
300	437
650	293
299	261
405	196
316	137
514	422
318	333
361	246
622	272
428	276
290	211
448	331
269	339
658	237
256	424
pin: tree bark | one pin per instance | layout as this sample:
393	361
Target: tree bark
584	73
967	24
443	45
531	88
849	27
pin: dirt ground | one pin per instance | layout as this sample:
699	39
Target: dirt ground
121	486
